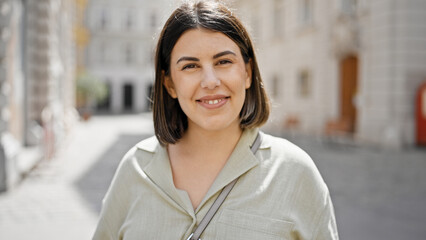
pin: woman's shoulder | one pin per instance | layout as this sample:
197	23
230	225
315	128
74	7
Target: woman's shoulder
292	160
285	149
149	144
288	155
142	152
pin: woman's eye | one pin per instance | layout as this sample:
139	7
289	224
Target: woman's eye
189	66
224	61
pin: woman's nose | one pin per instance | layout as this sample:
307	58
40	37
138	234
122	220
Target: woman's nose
210	79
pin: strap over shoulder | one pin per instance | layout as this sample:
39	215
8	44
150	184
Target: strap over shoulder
220	199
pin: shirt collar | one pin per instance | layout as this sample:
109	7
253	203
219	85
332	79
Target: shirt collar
240	161
160	172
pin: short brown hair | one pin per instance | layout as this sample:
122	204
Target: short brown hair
170	122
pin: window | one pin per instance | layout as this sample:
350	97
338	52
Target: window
129	19
129	54
348	6
278	18
275	86
306	12
153	21
103	22
102	53
255	24
304	84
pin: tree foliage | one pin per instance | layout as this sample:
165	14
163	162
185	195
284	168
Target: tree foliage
90	88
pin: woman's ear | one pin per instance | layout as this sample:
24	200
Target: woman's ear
249	74
168	84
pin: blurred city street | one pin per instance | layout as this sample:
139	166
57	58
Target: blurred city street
378	194
61	198
346	80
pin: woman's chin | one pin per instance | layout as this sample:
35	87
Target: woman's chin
216	126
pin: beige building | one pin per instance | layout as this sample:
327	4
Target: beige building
347	67
121	49
36	82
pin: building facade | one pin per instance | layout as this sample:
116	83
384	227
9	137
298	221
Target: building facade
36	82
121	49
346	67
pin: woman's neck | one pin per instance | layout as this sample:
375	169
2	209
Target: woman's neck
224	138
201	155
201	142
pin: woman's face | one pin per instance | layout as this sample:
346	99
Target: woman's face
209	77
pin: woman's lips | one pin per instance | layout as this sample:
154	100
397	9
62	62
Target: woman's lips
212	102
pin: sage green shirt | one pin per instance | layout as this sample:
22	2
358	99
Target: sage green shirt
280	195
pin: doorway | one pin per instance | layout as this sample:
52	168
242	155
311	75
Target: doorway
150	95
421	115
348	92
128	97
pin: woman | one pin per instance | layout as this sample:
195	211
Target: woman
208	105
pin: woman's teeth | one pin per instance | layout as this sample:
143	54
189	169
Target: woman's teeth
211	102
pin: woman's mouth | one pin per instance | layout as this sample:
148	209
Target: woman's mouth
213	102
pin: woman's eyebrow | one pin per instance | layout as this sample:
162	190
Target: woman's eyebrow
224	53
217	55
187	59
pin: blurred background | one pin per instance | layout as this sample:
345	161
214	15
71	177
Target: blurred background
347	80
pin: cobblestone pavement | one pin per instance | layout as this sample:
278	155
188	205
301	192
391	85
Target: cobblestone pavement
378	194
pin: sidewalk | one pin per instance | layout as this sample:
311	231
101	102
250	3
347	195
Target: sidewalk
61	199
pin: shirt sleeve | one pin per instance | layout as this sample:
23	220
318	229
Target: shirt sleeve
115	204
326	228
313	209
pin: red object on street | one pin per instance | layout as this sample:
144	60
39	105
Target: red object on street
421	115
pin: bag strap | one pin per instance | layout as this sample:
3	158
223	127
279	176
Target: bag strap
220	199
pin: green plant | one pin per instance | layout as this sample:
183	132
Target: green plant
89	90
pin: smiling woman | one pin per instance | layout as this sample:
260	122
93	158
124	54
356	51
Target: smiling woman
169	119
209	171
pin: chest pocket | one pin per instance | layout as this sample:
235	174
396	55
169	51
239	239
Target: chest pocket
238	225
